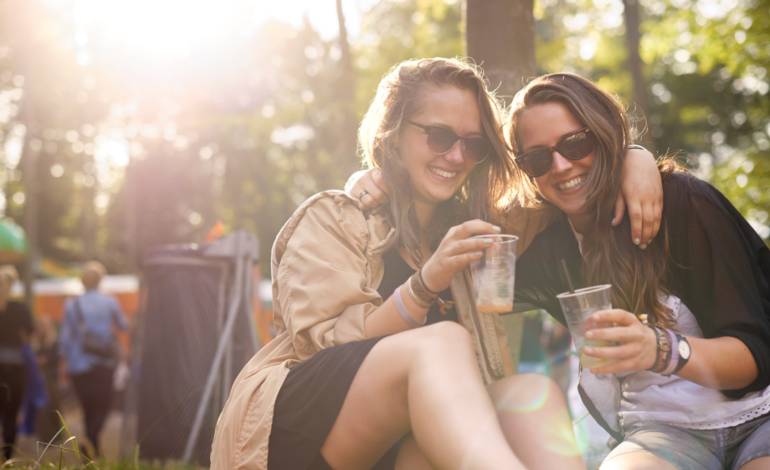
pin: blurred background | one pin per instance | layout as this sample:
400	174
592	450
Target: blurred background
125	125
130	124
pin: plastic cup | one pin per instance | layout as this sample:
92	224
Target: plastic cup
494	274
578	308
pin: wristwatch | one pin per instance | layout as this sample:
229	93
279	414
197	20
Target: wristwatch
684	353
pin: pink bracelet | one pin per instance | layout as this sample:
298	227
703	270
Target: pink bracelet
674	342
404	312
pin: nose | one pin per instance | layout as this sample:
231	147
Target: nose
559	164
455	154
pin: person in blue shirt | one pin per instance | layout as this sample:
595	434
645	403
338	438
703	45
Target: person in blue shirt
97	315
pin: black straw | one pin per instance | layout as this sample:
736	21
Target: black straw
484	252
566	273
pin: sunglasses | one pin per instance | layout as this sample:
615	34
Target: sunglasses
441	140
573	147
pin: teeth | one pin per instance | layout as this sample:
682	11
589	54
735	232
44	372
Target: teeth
445	174
572	183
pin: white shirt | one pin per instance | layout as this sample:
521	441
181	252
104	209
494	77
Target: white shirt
650	397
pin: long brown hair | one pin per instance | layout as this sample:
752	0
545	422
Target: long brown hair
610	258
400	96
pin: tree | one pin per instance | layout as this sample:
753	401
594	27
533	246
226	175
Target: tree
500	36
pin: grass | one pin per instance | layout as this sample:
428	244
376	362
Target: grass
64	445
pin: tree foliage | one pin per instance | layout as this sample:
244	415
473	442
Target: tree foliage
134	152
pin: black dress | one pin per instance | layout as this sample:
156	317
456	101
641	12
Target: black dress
312	395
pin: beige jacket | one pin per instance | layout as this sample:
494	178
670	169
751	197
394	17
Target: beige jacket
326	266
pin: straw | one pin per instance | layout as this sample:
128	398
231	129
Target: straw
566	274
484	252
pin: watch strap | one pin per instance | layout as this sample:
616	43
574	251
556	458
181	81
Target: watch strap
682	360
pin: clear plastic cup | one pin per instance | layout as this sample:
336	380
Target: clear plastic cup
578	308
494	274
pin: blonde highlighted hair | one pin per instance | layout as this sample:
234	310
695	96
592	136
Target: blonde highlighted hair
400	96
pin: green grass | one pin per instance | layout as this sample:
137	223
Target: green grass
59	452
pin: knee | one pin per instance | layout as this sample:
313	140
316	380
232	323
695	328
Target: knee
443	340
447	334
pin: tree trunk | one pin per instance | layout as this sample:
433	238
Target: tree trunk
500	36
640	112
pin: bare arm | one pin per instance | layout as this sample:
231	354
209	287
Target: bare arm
641	193
723	363
453	254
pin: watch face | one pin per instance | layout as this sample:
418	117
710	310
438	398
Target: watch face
684	349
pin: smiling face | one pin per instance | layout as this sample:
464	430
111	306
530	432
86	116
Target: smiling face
565	184
436	178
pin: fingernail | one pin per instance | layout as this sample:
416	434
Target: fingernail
613	220
588	349
650	241
590	335
478	254
488	241
636	241
643	247
496	228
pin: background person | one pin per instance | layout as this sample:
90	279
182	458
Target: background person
15	328
692	390
92	314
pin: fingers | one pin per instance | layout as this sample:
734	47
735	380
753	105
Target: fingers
648	221
380	182
620	208
635	214
657	214
619	316
469	244
471	227
622	335
369	193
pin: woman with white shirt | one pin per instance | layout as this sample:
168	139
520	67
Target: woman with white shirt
690	388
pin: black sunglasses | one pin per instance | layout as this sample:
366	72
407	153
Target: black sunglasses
574	146
441	140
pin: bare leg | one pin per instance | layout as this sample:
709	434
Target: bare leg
535	420
762	463
410	457
637	461
425	381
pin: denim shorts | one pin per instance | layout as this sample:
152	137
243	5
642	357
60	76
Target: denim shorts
694	449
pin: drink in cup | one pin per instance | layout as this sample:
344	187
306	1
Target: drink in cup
493	274
578	307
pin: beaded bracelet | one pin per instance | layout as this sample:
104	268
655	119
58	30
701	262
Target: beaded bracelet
422	283
418	300
666	350
420	290
674	360
657	347
663	358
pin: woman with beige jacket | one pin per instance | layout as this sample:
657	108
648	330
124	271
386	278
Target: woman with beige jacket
382	360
